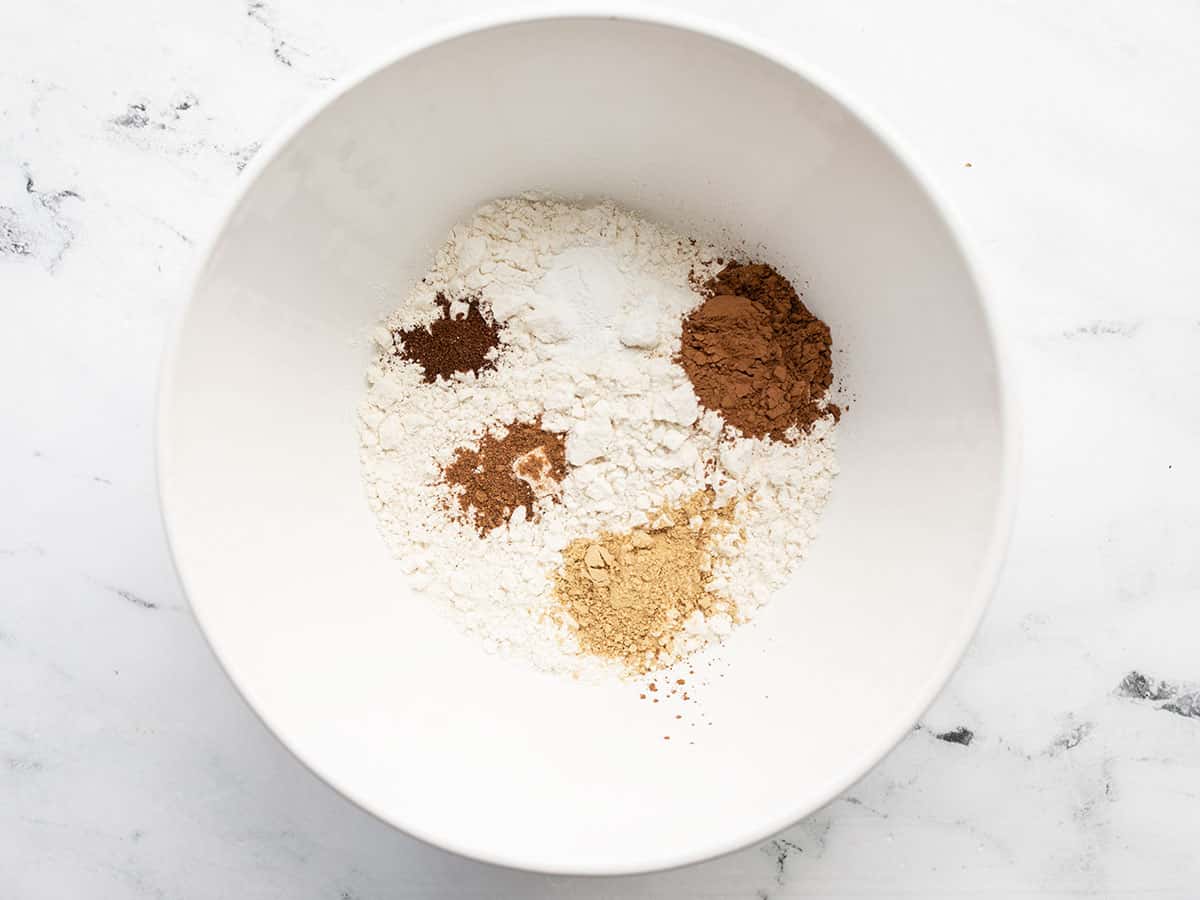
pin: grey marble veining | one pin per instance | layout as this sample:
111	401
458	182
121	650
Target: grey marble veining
1063	759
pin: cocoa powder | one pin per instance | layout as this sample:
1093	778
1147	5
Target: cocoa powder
755	354
451	344
507	473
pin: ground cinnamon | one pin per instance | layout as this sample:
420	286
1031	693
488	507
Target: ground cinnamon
506	473
755	354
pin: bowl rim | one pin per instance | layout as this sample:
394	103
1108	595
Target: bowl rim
1010	421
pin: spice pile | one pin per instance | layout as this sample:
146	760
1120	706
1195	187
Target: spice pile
628	594
462	339
755	354
501	480
600	443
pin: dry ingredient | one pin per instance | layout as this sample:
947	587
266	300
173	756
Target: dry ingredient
463	339
588	304
756	354
504	477
628	595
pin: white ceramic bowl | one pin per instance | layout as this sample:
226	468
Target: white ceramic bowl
363	679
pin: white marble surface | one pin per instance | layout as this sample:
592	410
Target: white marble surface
128	766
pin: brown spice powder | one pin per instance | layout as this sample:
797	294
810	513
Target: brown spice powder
448	345
627	595
506	473
755	354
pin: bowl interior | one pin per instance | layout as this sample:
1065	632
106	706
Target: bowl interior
364	679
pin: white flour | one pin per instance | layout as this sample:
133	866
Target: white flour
592	300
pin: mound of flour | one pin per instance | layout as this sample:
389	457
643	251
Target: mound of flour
591	299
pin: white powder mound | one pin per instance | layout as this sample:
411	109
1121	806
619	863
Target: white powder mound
592	300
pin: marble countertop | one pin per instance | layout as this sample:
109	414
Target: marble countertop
1062	760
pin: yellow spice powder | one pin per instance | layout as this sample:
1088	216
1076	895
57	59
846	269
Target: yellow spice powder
627	595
